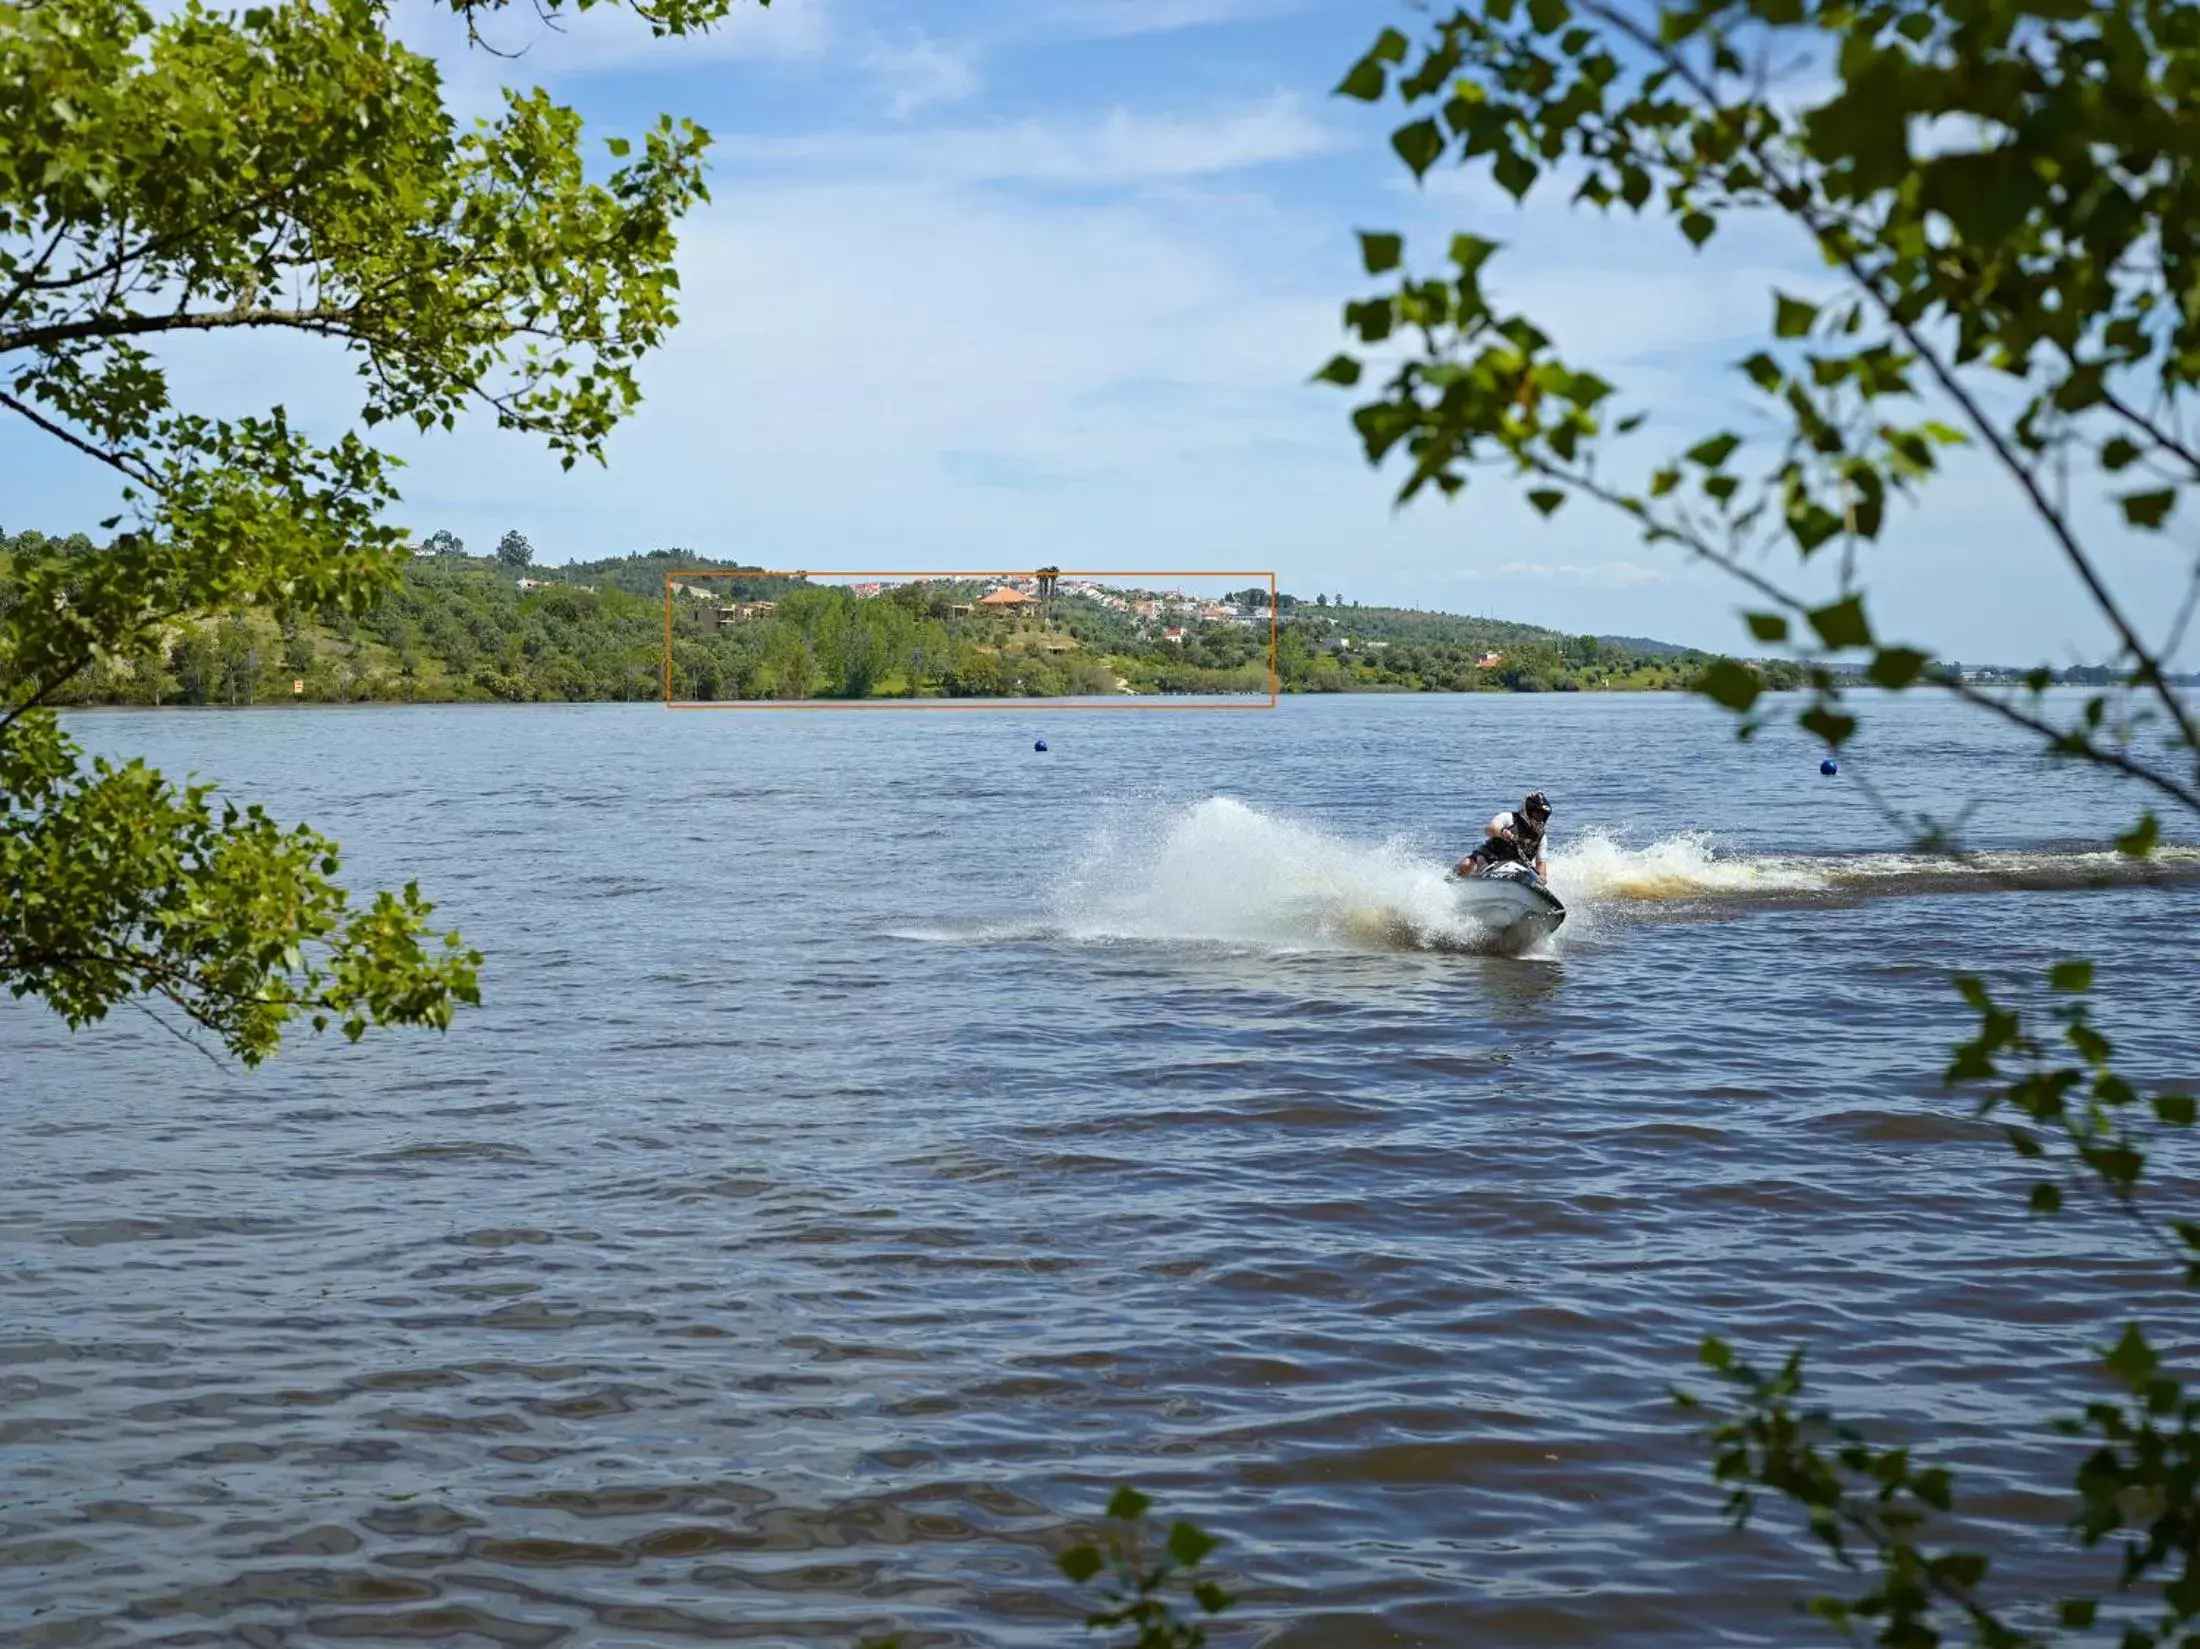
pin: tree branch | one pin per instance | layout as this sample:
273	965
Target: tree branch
2149	669
28	281
114	460
319	319
2077	744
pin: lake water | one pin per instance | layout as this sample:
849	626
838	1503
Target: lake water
879	1139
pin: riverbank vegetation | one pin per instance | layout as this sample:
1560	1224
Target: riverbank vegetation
457	628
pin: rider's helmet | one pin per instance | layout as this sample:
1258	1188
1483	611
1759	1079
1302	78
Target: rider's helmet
1537	806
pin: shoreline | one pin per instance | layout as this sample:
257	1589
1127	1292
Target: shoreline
1117	701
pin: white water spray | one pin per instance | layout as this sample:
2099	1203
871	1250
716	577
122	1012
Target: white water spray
1219	872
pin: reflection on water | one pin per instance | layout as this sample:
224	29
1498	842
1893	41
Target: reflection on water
877	1143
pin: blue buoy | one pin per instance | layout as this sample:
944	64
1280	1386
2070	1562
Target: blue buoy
1039	744
1829	767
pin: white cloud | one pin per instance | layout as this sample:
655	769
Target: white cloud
917	73
842	345
1104	18
1119	148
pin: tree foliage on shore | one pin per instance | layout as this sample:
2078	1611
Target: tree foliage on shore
458	628
287	169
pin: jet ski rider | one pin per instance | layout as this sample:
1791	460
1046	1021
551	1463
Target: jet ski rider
1512	837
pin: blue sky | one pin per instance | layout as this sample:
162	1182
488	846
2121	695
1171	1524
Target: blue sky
996	284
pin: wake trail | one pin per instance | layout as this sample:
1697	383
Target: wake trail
1222	873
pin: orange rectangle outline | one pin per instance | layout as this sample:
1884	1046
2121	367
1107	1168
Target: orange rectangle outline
1128	702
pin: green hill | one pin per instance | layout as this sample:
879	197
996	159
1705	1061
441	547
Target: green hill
461	627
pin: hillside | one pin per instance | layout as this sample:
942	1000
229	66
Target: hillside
466	628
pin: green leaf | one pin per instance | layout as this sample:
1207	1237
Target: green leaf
1080	1563
1830	726
1812	524
1365	80
1470	252
2119	452
1127	1505
2142	838
1189	1544
1380	251
1725	681
2077	1613
1764	372
1841	624
1212	1598
1548	16
1546	500
1792	317
2045	1199
1895	667
1964	1569
1714	451
2174	1109
1342	370
2148	509
2073	978
1372	318
2132	1359
1766	626
1419	145
1698	228
618	146
1515	173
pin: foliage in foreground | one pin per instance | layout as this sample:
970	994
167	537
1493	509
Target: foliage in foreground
288	169
127	886
2005	201
1144	1587
1878	1510
1135	1576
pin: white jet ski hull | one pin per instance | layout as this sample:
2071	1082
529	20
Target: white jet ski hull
1511	903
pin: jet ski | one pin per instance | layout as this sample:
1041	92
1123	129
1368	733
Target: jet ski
1509	900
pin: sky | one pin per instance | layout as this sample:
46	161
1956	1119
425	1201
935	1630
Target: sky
997	283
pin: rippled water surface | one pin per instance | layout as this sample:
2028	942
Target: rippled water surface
880	1138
